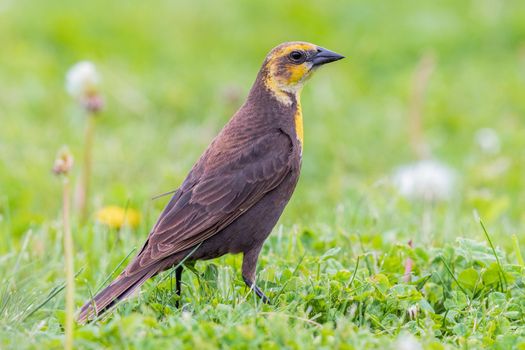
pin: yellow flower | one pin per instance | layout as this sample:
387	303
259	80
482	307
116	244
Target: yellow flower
116	217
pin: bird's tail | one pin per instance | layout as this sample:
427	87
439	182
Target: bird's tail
117	291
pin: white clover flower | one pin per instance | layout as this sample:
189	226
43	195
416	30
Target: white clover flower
427	180
186	316
413	311
407	342
488	140
83	84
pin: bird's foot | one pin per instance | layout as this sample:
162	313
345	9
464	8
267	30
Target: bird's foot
257	290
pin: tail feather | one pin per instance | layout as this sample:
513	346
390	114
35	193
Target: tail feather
117	291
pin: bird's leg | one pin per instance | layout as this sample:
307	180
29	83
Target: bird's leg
249	264
178	277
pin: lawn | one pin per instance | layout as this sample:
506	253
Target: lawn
173	73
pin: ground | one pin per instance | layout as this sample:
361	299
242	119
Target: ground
334	266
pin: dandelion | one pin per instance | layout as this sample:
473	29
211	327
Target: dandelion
488	140
117	217
83	84
62	167
63	162
426	180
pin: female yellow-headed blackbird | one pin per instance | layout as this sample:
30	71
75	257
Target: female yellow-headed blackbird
237	190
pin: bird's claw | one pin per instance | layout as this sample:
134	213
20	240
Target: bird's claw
257	290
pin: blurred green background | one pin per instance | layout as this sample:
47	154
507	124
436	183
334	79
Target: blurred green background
174	72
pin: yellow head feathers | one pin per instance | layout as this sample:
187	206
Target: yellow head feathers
290	64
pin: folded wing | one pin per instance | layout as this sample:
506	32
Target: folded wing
214	195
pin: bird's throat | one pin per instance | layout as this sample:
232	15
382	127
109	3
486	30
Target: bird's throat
287	96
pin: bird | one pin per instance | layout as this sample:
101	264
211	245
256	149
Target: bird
235	193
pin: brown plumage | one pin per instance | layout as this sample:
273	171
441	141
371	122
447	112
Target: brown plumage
237	190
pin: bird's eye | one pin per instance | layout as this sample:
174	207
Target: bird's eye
297	56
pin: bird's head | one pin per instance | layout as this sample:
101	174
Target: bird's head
290	64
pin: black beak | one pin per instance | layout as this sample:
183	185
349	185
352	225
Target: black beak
324	56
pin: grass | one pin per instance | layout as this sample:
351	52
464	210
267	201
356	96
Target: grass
334	266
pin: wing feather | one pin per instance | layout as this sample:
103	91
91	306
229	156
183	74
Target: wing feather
214	195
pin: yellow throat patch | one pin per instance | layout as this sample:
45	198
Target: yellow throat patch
299	132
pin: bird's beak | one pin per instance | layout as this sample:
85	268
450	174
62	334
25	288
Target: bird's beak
324	56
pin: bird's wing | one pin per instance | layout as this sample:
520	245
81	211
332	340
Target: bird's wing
210	201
